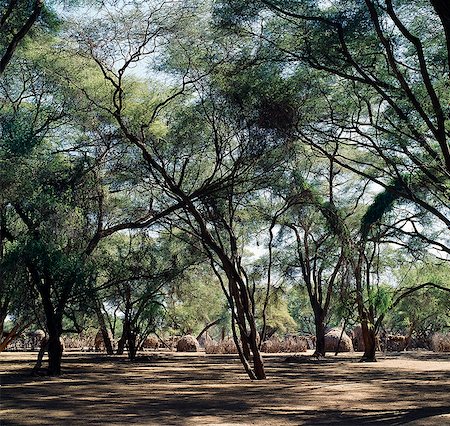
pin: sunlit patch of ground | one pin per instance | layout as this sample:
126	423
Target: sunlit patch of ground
195	389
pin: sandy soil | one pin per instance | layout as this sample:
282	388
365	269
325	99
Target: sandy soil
199	389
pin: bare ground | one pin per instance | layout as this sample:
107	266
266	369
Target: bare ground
199	389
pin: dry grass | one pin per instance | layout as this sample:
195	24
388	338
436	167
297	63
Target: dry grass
290	344
225	346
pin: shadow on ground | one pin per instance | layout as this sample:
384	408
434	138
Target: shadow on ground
191	390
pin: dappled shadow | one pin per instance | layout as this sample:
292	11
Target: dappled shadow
185	390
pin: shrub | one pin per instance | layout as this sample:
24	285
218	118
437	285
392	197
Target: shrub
290	343
225	346
440	342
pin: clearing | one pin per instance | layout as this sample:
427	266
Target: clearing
194	389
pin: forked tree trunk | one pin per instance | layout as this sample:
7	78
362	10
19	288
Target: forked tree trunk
249	348
240	298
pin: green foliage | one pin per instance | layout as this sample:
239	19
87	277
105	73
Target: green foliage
248	113
425	311
194	302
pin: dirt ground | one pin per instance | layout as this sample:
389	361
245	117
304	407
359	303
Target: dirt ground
199	389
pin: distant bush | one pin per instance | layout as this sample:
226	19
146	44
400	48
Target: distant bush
225	346
394	343
289	344
440	342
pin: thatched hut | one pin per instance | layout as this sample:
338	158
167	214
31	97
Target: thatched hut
188	343
333	339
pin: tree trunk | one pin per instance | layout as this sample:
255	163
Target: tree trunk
121	345
106	340
54	328
320	334
367	323
7	338
131	341
442	8
207	327
125	330
258	364
123	339
55	350
101	321
247	327
370	341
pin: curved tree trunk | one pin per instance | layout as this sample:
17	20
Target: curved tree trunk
247	327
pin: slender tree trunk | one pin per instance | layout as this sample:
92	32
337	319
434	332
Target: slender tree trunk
258	363
121	345
103	329
131	341
6	339
243	359
207	327
125	328
20	34
367	323
123	338
247	327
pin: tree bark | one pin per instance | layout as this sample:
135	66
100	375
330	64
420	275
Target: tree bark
442	8
369	338
103	329
320	334
131	341
23	31
55	349
54	328
123	338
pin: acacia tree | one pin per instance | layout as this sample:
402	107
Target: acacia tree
199	154
379	69
58	191
134	274
316	250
